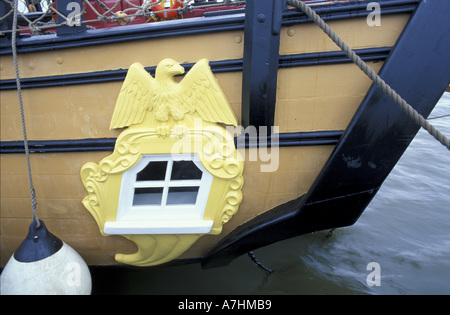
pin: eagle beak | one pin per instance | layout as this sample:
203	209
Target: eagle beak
178	69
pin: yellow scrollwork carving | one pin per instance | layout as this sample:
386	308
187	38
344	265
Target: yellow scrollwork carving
165	117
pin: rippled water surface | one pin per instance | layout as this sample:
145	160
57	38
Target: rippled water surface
405	231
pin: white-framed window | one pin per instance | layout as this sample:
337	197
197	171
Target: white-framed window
163	194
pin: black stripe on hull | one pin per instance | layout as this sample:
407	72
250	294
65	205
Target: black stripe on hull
107	144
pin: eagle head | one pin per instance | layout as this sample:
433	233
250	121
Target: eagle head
168	68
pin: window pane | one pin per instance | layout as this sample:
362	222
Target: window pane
147	196
182	195
183	170
153	171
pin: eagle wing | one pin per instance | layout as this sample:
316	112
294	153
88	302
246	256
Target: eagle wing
203	93
135	98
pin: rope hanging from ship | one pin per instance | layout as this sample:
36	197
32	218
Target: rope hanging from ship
410	111
39	265
22	115
259	264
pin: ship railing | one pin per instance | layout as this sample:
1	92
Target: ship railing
65	17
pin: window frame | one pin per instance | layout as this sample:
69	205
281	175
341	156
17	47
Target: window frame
162	218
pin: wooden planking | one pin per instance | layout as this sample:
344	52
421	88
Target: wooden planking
309	99
59	188
56	175
186	49
84	111
59	193
79	111
308	38
325	97
315	98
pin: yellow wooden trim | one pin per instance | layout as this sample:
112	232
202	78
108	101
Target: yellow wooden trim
309	38
218	46
79	111
209	141
317	98
59	190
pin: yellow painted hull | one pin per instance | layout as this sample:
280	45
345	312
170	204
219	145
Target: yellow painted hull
311	98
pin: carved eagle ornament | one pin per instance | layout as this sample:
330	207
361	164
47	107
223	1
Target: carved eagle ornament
198	92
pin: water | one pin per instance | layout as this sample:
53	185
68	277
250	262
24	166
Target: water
405	231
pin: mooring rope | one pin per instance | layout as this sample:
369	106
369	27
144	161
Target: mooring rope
260	265
24	130
419	119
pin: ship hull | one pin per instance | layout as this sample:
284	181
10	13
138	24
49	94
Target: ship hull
338	136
